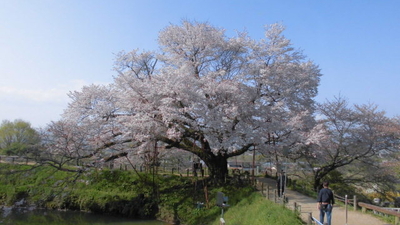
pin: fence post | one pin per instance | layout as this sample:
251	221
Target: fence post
355	202
262	188
295	206
396	220
283	198
268	192
309	218
345	200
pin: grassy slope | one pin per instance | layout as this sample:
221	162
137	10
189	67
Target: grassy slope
256	210
123	193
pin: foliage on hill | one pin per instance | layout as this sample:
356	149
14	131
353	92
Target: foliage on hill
17	138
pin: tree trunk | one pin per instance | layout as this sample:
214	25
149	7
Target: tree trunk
319	175
218	166
316	184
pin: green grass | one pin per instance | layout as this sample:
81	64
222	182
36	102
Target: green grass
99	191
128	194
255	209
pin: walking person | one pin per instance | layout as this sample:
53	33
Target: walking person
325	203
280	183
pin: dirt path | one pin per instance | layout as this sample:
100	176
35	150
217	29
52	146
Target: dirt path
309	205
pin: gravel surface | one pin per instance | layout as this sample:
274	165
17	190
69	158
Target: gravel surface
308	205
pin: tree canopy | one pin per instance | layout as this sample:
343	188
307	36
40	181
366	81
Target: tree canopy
351	139
17	137
201	91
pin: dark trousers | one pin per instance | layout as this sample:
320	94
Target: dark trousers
281	190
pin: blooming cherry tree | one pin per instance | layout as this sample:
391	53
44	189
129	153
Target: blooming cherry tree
349	137
201	92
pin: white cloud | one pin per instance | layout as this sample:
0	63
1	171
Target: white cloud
39	106
54	94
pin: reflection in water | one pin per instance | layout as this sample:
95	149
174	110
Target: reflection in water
25	216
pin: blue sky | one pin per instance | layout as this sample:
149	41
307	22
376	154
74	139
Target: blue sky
51	47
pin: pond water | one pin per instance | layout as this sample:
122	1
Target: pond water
49	217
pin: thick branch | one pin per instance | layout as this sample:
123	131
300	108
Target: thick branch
240	151
116	156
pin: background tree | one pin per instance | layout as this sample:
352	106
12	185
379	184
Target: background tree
350	140
17	137
203	92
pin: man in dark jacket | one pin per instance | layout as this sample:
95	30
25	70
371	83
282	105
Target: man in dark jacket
325	203
281	183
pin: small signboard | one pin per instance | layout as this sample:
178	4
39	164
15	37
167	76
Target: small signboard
222	200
